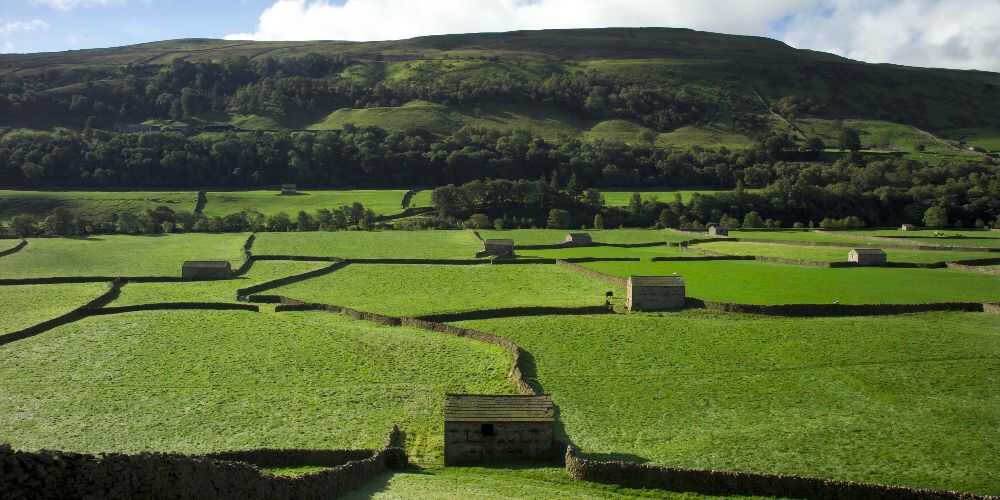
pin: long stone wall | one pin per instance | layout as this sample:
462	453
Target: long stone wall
280	282
512	312
14	249
712	482
816	310
222	476
173	306
76	314
516	374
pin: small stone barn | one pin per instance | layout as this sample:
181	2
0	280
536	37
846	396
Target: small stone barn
497	248
482	429
715	231
288	189
578	239
206	270
867	256
655	293
908	227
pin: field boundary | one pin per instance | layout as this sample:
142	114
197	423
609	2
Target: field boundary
226	475
14	249
838	264
607	278
519	357
840	244
826	310
714	482
74	315
288	280
513	312
172	306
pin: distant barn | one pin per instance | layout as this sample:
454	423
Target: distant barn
206	270
716	231
907	227
867	256
578	239
482	429
655	293
288	189
497	248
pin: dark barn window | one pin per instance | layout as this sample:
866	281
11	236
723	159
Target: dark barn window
487	430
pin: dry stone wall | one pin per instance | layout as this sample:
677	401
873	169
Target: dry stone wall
114	290
222	476
14	249
712	482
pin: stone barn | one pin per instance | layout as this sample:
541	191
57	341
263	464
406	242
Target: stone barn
206	270
908	227
483	429
289	189
497	248
867	256
655	293
578	239
716	231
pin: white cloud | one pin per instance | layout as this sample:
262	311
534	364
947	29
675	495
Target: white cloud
72	4
365	20
11	27
954	33
948	33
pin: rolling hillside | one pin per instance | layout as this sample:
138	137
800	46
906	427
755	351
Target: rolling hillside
684	86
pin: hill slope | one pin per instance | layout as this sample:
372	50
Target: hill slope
729	88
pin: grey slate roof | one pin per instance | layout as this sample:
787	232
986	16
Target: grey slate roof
489	408
656	281
868	251
499	242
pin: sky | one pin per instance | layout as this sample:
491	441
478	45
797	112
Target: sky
962	34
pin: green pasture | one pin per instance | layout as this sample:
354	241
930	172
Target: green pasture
644	253
832	254
556	236
9	244
118	255
211	291
378	244
859	237
905	399
381	201
94	205
201	381
948	237
622	198
414	290
517	483
27	305
751	282
986	138
423	198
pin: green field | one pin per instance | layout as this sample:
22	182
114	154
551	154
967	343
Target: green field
382	202
423	198
413	290
990	239
117	255
525	483
832	254
902	400
621	198
817	236
211	291
556	236
763	283
383	244
93	205
194	382
27	305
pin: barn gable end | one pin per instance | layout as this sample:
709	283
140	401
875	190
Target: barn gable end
488	428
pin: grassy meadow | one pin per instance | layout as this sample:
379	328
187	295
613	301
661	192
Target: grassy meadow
751	282
211	291
902	400
26	305
414	290
193	381
381	201
556	236
119	255
833	254
363	244
949	237
93	205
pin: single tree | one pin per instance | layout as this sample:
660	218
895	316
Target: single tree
558	219
936	216
849	140
598	221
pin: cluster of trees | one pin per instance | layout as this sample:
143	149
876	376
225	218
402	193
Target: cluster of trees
164	220
359	156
